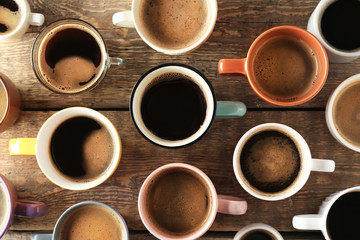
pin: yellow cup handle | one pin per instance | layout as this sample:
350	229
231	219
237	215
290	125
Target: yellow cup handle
22	146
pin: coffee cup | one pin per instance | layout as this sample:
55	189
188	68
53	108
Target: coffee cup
15	18
179	201
88	219
10	102
70	56
170	27
343	113
338	217
336	24
10	206
173	105
273	161
285	66
258	231
76	148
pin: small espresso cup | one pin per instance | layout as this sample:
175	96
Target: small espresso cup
338	217
285	66
88	220
10	103
171	27
179	201
258	231
343	113
173	105
336	24
273	161
10	206
15	18
76	148
70	56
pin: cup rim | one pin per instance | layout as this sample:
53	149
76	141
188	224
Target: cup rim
7	96
330	109
258	226
11	208
212	21
183	142
305	165
168	167
43	155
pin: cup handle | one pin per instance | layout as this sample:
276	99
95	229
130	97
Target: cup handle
115	61
123	19
232	67
228	109
22	146
322	165
231	205
307	222
30	208
41	236
37	19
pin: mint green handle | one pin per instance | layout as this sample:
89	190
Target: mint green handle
228	109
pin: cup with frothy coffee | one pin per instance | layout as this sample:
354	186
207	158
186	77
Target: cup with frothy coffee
273	161
76	148
70	56
15	18
10	206
343	113
171	27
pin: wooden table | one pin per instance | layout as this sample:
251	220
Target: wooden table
239	23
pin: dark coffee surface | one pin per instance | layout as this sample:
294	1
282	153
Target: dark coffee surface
270	161
257	235
340	24
285	67
178	203
174	24
174	107
344	217
347	114
81	148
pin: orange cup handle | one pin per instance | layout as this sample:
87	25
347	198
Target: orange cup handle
232	67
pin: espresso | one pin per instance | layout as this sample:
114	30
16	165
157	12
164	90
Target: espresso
4	205
178	202
344	217
174	24
3	101
257	235
9	16
285	67
173	107
340	24
81	148
270	161
91	222
346	114
70	59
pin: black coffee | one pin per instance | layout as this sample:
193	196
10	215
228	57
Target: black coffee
344	217
257	235
340	24
81	148
174	107
270	161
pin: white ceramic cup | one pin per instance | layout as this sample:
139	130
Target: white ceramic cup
27	18
329	113
314	26
41	146
307	163
131	19
258	227
318	221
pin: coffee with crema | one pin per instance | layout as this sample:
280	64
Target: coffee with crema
285	68
174	24
270	161
4	205
346	113
91	222
9	16
178	202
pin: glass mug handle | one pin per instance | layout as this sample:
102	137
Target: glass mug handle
22	146
229	109
123	19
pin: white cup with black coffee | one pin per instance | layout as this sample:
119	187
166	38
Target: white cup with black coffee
15	19
336	24
273	161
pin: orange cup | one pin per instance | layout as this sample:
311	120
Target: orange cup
284	60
